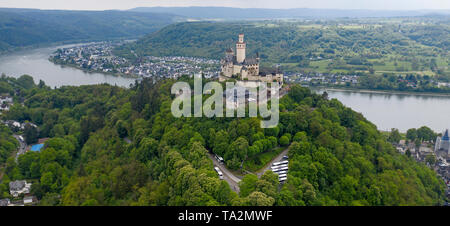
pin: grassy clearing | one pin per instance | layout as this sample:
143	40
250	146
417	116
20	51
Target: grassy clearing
257	162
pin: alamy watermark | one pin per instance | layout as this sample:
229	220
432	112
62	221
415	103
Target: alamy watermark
238	96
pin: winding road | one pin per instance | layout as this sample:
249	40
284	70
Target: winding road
22	147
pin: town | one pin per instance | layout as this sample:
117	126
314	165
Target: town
99	57
360	81
436	155
321	79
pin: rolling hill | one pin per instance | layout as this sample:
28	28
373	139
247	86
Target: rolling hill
28	27
330	45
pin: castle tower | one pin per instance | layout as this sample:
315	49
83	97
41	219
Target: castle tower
240	49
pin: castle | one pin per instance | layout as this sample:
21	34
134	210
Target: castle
246	69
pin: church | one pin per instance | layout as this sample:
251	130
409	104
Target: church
237	65
442	147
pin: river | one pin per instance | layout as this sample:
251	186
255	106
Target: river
35	63
402	111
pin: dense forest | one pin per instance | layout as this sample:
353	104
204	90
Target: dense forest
8	144
114	146
23	27
396	45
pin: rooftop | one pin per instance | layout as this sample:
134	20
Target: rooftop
446	137
16	185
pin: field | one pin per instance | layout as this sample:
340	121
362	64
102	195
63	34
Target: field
259	161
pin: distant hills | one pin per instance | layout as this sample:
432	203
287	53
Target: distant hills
30	27
259	13
354	45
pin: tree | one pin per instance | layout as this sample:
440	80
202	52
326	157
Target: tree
224	193
258	199
430	159
284	141
238	153
426	134
408	153
300	136
30	134
394	136
247	185
411	134
26	81
121	129
221	143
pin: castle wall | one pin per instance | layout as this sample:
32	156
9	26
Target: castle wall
237	69
227	70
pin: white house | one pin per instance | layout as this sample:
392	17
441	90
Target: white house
28	200
19	187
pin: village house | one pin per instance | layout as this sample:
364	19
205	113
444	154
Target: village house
19	187
425	151
6	99
29	200
5	102
4	107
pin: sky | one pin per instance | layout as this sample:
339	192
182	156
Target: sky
328	4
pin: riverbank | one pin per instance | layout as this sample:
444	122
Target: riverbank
393	92
13	50
95	71
35	63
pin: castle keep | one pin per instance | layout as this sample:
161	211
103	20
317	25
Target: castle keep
237	65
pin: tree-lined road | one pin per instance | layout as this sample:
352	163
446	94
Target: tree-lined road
233	180
229	177
22	147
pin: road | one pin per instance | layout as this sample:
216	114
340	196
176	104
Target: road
276	159
229	177
234	180
22	147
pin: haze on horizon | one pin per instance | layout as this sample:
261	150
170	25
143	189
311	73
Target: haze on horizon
280	4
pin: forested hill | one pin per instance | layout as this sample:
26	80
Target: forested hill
114	146
26	27
333	45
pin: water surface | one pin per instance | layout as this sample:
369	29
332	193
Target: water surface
35	63
401	111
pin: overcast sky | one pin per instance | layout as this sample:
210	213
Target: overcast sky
128	4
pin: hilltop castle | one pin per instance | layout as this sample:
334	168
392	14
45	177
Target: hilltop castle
246	69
